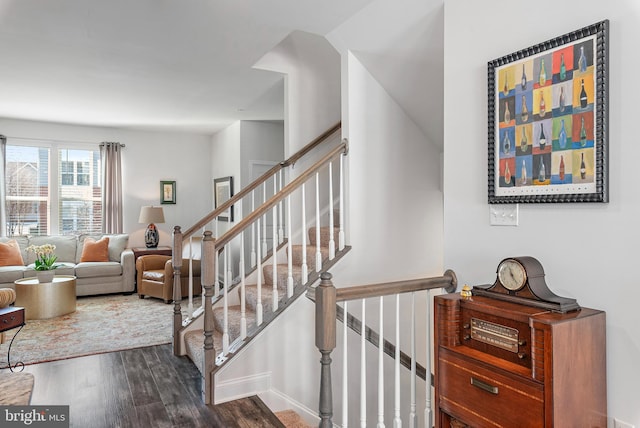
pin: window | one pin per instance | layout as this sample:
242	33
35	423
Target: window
52	189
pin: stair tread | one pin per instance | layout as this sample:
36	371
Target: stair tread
234	314
194	341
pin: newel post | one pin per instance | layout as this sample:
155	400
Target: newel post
325	342
209	273
176	262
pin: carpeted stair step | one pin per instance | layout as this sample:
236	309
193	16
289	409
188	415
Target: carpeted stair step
296	251
283	275
194	343
325	235
235	315
251	294
291	419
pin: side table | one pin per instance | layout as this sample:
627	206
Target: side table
142	251
10	318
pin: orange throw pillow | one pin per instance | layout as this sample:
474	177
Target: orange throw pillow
10	254
95	251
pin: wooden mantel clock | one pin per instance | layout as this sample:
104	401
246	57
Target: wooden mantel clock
514	354
521	280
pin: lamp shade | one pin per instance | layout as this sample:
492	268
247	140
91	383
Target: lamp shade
151	215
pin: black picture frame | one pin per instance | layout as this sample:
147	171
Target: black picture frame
222	192
167	192
548	120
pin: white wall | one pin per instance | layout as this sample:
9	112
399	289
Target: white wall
148	158
589	251
312	86
260	141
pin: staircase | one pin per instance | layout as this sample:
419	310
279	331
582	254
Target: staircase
253	272
194	339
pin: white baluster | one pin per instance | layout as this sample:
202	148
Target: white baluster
332	242
345	380
304	267
397	422
290	258
380	366
341	242
265	249
190	304
280	226
259	283
202	300
318	251
413	421
427	364
253	231
243	298
225	317
274	255
216	291
363	370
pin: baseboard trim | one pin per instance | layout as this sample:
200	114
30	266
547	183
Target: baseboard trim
241	387
277	401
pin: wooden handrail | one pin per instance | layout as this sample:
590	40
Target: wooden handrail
326	296
286	191
448	281
257	182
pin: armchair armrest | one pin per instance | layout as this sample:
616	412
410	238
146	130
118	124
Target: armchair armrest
184	270
151	262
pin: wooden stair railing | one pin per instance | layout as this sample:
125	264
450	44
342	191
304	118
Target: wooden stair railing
213	248
326	297
180	238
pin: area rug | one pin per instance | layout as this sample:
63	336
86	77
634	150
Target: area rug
99	324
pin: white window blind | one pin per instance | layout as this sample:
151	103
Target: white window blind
52	189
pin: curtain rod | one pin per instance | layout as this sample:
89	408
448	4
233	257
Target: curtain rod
51	140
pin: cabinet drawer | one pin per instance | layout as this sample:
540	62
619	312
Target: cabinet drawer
11	318
483	398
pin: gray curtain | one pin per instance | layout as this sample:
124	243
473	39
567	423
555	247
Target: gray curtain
3	186
111	187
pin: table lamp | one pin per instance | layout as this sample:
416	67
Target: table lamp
151	215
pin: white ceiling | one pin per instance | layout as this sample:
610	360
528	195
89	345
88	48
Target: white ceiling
183	65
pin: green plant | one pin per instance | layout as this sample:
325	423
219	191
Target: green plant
45	258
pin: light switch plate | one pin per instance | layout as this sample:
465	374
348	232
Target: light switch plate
617	423
503	215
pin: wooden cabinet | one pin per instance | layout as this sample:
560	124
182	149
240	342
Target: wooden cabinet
502	364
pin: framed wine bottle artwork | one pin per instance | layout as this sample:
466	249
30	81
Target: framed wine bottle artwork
548	120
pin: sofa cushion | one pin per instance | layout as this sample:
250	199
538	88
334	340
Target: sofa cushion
8	274
10	254
95	251
65	246
64	268
22	241
117	244
94	269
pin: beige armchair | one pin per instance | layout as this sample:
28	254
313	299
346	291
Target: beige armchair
155	277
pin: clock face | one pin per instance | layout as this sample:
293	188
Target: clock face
512	274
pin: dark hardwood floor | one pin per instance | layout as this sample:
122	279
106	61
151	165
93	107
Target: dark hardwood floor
144	387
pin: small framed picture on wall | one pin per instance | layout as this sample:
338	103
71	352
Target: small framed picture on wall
222	192
167	192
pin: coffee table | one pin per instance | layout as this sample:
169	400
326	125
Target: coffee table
46	299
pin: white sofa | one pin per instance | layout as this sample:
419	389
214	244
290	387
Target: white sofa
115	276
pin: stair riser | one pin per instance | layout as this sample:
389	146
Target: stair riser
325	235
296	258
282	275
